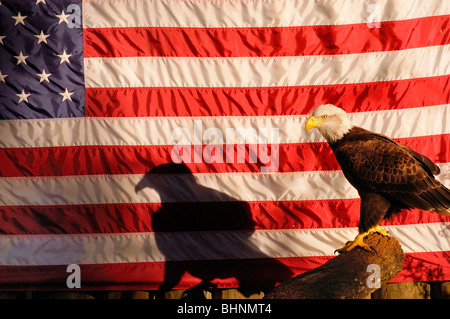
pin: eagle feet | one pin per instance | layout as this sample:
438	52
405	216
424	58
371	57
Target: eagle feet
359	241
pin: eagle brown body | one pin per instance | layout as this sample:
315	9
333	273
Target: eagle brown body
388	176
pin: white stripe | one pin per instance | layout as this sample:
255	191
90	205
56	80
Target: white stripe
202	187
153	247
174	188
267	71
422	121
251	13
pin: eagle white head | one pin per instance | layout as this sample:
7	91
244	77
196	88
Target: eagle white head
331	121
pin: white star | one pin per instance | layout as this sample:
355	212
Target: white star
64	57
2	77
62	17
19	19
1	38
21	58
66	95
39	1
43	76
42	37
23	96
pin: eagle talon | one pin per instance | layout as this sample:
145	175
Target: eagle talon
358	242
379	230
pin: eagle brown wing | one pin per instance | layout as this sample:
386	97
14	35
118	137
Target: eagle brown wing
423	160
379	165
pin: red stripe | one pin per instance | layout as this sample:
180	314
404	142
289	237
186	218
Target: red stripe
121	218
150	276
87	160
177	101
257	273
426	266
184	217
92	160
280	41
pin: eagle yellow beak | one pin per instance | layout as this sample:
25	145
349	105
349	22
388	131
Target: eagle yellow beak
312	122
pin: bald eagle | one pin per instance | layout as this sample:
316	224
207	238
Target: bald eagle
388	176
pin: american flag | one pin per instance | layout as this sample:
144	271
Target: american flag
160	144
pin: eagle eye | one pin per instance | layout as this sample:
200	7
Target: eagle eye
324	117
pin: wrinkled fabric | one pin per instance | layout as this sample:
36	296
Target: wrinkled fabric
270	71
184	130
189	162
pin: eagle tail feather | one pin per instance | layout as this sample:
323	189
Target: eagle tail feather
442	196
435	199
